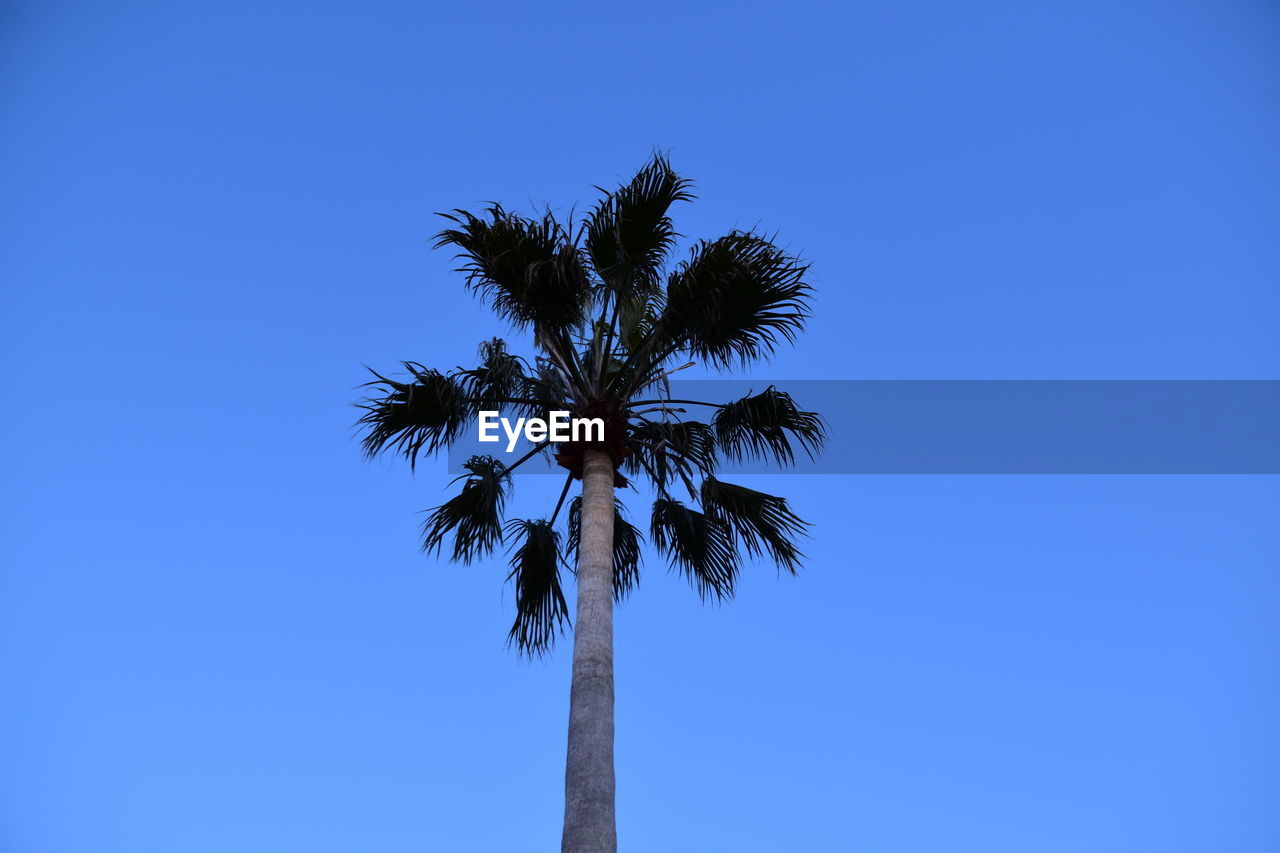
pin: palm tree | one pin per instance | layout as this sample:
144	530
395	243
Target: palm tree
610	324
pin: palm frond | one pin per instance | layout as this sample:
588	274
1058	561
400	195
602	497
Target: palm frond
546	390
760	521
499	376
764	425
541	609
527	269
699	545
627	540
629	233
735	299
423	415
474	515
638	322
666	449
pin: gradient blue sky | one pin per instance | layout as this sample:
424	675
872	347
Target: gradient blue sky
218	635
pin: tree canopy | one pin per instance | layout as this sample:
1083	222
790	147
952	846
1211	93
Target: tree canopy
612	315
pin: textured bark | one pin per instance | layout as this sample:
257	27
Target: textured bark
588	780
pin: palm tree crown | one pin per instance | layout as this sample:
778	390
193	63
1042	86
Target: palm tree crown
610	323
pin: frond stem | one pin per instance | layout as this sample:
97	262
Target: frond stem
513	466
568	481
686	402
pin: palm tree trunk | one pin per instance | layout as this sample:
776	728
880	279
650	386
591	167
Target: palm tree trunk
588	780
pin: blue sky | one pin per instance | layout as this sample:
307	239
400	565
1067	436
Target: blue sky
218	634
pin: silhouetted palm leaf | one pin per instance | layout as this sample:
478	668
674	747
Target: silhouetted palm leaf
629	233
411	417
541	609
734	298
473	516
500	376
762	522
527	268
638	324
666	449
699	545
763	426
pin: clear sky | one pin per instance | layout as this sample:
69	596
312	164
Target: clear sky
218	635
